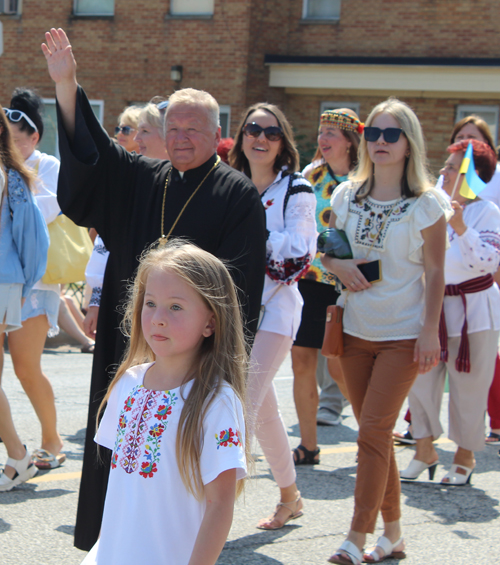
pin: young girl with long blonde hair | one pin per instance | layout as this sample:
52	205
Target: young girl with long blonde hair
174	418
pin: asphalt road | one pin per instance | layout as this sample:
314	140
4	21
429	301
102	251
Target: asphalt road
454	525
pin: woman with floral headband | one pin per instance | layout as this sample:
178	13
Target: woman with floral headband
336	156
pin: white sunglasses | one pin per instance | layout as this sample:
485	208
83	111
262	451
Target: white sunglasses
17	115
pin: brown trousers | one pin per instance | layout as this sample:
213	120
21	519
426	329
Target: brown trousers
378	377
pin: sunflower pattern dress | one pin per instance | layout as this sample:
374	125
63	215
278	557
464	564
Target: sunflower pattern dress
324	182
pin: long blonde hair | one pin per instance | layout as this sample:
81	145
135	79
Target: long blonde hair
222	357
416	177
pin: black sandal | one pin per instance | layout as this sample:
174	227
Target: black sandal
308	458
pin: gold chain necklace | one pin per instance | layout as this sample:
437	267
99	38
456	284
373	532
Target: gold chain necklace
164	238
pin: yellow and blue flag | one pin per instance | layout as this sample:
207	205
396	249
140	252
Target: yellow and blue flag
471	185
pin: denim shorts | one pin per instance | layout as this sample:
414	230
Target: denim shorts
10	305
40	302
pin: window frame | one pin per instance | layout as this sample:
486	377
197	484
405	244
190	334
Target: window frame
464	110
319	19
191	14
17	12
226	110
52	102
90	14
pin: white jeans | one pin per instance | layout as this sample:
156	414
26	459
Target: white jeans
264	418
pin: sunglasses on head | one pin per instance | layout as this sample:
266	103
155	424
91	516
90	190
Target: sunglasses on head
391	135
17	115
273	133
124	129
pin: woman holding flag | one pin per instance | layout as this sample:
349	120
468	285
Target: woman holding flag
470	320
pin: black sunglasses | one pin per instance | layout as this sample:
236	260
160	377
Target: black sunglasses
391	135
273	133
124	129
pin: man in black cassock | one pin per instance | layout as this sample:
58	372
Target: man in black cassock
124	196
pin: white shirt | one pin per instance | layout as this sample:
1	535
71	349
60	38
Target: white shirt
94	271
492	190
291	247
393	308
474	254
45	195
149	517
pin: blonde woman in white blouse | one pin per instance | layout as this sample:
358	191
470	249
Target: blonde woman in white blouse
470	328
264	150
389	214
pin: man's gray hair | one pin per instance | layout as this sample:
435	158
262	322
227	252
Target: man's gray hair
194	97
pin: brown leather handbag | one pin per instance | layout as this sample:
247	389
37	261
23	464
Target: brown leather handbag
333	340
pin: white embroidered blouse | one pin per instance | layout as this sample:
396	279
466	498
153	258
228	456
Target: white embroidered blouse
474	254
291	247
149	516
393	308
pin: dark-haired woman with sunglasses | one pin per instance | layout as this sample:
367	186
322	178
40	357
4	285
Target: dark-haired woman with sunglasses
390	214
41	308
265	151
336	156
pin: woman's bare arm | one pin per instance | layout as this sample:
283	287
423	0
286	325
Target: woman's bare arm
427	348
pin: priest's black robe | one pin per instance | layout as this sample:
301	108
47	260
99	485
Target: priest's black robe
120	194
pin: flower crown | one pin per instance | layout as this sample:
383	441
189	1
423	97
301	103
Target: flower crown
341	120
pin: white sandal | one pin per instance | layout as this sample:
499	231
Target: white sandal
25	470
457	479
352	554
387	547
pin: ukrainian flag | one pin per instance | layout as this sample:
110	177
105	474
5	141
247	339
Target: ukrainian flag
471	185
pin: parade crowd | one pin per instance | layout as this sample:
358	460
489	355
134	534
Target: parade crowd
205	274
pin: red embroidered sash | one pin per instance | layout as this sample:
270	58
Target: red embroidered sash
462	362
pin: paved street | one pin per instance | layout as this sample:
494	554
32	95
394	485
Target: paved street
441	525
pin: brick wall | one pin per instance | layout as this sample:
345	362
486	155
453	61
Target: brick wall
436	115
127	58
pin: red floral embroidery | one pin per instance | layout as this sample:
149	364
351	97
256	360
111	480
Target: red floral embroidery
157	430
128	404
163	412
147	469
228	438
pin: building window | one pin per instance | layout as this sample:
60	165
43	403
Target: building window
191	7
12	7
94	7
321	10
489	114
225	120
334	105
50	141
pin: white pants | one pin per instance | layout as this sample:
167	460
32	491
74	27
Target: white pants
468	393
264	418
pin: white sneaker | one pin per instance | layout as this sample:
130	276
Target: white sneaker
327	417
